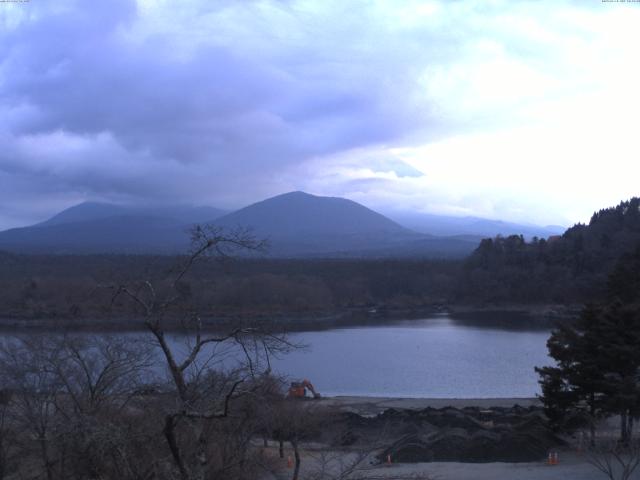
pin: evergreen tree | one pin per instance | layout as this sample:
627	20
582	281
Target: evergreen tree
598	357
574	388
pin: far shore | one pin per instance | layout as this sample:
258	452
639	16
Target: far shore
501	316
373	405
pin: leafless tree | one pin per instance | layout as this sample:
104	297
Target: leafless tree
96	406
7	447
34	394
202	395
69	400
294	421
615	460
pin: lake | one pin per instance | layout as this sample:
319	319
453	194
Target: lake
437	357
477	356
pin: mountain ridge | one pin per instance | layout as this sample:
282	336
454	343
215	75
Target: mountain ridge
297	224
98	210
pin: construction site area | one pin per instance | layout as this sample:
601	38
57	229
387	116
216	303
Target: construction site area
457	439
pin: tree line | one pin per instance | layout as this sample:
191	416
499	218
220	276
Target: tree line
567	269
571	268
61	289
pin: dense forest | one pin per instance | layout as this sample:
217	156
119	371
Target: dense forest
53	288
502	271
571	268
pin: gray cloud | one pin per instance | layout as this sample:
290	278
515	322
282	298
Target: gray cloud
151	123
218	102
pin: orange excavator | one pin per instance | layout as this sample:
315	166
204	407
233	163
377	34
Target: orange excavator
299	389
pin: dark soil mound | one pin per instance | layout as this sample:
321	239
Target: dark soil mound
468	435
483	446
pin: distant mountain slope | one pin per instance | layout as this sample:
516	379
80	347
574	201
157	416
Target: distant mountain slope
443	225
299	213
89	211
300	224
106	228
296	224
84	212
124	234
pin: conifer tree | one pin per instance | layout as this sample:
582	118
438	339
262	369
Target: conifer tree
597	370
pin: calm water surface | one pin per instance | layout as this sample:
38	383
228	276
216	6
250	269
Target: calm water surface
436	357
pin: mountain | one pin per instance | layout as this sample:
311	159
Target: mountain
300	224
295	224
302	214
473	226
106	228
86	211
89	211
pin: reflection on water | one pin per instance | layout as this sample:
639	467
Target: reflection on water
436	357
517	321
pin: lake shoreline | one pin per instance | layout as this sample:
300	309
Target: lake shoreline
365	405
533	316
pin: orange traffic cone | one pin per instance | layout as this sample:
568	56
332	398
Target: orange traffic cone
289	462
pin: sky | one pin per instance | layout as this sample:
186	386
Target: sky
524	111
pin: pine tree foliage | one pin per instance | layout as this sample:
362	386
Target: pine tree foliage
597	370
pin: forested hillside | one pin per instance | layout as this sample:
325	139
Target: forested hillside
568	268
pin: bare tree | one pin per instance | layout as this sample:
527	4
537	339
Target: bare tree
201	396
615	460
7	435
294	421
95	406
69	402
34	395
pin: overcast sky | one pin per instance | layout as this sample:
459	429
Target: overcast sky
518	110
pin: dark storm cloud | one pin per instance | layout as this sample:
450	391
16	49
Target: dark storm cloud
226	102
90	110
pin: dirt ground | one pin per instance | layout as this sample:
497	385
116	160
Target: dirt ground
571	467
572	464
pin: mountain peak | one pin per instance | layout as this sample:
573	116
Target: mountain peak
84	211
308	218
295	223
295	193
